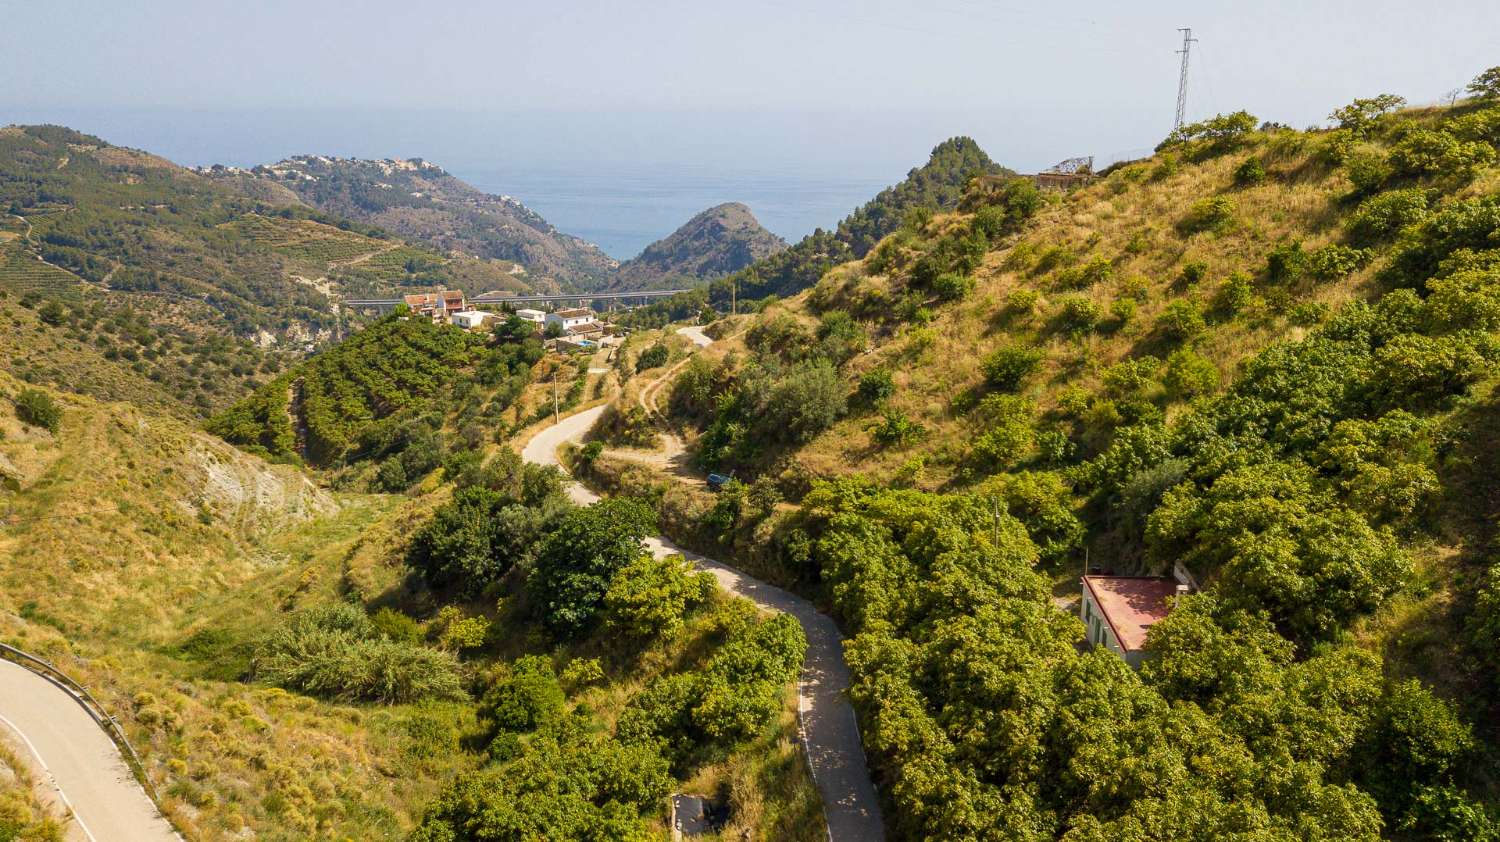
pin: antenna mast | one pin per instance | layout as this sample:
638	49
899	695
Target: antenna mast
1187	44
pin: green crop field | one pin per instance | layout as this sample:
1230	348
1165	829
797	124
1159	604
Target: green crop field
21	270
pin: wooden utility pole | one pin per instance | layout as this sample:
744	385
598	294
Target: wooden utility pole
734	288
554	397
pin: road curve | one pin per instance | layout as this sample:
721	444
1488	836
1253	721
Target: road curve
695	333
829	730
68	749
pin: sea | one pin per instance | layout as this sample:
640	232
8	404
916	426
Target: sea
624	208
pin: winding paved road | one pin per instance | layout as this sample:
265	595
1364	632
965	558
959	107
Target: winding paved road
68	749
829	729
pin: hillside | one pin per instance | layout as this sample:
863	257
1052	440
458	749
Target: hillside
935	186
422	202
151	282
1265	354
723	239
296	663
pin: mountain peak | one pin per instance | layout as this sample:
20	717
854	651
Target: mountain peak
715	242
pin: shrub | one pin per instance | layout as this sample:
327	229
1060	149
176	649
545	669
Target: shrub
1181	320
1078	314
1189	375
1333	261
580	557
1234	295
1250	173
1009	433
653	357
1286	261
1018	201
396	626
1123	310
37	408
1008	368
1211	214
528	698
876	385
1425	152
1022	301
1382	217
650	597
951	286
1043	502
1368	171
1359	114
52	313
1218	134
335	651
1097	270
895	429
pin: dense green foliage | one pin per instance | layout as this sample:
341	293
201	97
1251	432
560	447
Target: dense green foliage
381	394
336	651
1305	486
580	557
489	526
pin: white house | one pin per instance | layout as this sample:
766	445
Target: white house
468	319
572	321
536	316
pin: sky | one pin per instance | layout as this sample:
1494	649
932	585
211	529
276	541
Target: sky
843	89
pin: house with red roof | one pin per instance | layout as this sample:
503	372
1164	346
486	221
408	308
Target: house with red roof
1119	610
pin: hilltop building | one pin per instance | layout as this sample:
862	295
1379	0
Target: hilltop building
576	322
533	316
435	305
470	319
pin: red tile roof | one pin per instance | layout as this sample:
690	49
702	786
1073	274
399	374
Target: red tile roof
1131	604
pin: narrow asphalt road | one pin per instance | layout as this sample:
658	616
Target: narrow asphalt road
829	729
68	750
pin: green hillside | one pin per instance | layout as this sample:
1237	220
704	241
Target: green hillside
1267	354
936	185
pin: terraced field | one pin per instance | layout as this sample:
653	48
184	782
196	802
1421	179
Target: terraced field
21	270
307	241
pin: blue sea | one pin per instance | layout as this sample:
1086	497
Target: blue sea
622	209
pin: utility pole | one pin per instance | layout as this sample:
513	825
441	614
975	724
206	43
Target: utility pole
734	287
1187	44
554	397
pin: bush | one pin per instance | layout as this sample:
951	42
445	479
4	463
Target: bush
897	430
1250	173
1359	114
37	408
1008	433
1368	171
1022	301
1333	261
1218	134
1189	375
1008	368
1486	86
1424	152
951	286
1381	217
1286	261
876	385
336	651
1181	320
650	597
526	699
653	357
1234	295
1211	214
1077	314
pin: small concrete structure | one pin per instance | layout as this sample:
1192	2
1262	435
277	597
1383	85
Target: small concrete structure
470	319
535	316
1119	610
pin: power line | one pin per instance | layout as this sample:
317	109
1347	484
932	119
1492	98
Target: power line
1187	44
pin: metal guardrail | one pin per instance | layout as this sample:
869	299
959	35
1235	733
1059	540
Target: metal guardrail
111	726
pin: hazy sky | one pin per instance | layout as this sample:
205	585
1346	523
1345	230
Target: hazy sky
856	88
